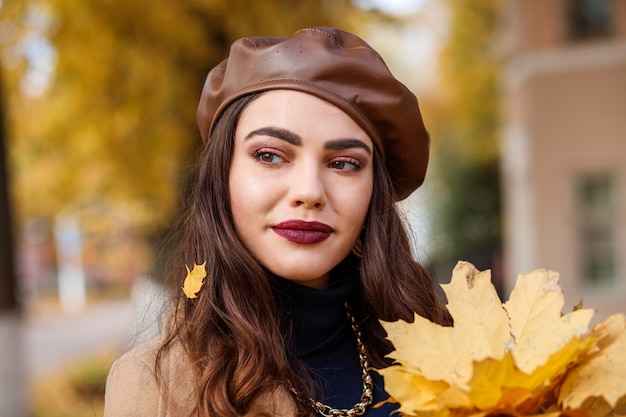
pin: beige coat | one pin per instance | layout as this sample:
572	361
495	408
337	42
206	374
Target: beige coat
132	389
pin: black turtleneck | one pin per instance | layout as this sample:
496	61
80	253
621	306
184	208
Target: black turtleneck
323	339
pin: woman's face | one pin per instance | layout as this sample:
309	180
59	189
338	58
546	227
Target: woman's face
300	184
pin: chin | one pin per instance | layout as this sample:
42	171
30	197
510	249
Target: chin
298	275
305	273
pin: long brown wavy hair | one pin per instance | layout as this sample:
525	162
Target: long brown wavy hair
231	332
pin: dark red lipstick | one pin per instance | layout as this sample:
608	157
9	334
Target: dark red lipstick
300	231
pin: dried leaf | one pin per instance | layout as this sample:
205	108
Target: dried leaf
448	353
511	359
432	350
597	407
502	383
423	398
194	280
537	324
602	374
476	307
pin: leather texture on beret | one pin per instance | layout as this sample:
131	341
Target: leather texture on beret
335	66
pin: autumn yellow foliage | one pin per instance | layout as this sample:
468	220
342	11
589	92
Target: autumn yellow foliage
518	358
194	280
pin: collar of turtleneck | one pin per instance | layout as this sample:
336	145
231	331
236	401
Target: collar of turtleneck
315	317
316	323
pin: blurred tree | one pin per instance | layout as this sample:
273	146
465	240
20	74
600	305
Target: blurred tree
466	152
105	93
8	300
12	386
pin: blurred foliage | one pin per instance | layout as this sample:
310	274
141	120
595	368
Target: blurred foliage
115	127
75	391
109	130
466	123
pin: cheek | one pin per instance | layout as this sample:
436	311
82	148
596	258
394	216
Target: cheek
250	198
238	189
353	204
362	195
240	199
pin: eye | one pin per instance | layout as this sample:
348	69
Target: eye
267	157
345	165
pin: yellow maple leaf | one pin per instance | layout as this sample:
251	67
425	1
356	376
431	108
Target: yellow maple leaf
477	309
423	398
448	353
507	359
537	324
194	280
603	373
500	383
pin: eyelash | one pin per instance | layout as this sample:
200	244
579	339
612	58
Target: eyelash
258	154
356	164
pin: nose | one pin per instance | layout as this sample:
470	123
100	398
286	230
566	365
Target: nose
307	187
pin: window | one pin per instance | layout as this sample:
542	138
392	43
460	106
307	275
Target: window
588	18
597	215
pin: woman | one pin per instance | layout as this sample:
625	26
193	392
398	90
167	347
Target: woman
309	142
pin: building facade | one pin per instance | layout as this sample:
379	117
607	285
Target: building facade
564	146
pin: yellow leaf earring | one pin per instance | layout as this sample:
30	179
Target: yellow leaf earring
194	280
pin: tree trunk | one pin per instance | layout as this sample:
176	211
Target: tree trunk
12	378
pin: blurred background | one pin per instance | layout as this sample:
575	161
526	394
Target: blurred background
525	101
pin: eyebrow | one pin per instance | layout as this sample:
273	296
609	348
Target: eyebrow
340	144
281	134
292	138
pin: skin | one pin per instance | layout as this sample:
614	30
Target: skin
299	158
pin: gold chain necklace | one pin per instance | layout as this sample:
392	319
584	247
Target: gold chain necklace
366	396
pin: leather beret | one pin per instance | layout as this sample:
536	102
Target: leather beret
335	66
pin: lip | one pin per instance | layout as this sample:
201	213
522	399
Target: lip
303	232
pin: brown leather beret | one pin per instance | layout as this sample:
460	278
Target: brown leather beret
335	66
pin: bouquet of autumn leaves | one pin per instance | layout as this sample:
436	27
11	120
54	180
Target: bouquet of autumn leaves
519	358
